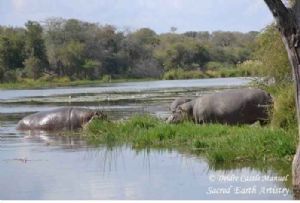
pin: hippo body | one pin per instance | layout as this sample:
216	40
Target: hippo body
67	118
177	102
241	106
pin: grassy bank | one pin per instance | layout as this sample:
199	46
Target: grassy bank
196	74
218	143
62	82
47	81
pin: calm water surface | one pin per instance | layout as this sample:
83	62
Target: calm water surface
48	166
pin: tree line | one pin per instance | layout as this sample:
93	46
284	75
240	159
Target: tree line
82	50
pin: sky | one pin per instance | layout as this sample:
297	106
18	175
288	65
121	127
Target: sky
159	15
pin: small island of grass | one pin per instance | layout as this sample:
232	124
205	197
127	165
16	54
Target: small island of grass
216	142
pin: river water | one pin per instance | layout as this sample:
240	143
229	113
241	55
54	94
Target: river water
49	166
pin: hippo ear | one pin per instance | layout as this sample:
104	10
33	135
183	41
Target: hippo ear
179	109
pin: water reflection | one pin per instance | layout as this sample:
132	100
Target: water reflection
69	169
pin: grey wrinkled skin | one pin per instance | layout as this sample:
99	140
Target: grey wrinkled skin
66	118
177	102
241	106
182	112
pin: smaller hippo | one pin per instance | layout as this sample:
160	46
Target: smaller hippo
240	106
183	112
67	118
178	101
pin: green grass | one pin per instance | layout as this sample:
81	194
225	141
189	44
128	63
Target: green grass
218	143
175	74
61	82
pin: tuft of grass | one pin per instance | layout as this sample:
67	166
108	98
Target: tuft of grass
218	143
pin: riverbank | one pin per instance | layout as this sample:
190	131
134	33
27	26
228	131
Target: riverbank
178	74
63	82
218	143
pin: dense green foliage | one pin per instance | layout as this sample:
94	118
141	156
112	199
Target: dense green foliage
218	143
82	50
270	60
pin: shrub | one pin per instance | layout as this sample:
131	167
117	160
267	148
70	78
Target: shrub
251	67
284	113
175	74
214	65
33	67
106	78
9	76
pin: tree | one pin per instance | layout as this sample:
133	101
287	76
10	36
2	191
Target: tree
12	53
72	58
173	29
288	22
34	45
33	67
12	48
270	52
89	67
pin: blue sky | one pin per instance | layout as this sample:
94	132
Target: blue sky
159	15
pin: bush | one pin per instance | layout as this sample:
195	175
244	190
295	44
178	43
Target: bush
33	67
176	74
63	80
214	65
270	51
9	76
106	78
47	78
252	67
284	113
172	74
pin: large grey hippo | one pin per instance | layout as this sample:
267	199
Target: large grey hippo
240	106
66	118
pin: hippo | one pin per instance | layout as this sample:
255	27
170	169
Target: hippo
178	101
183	112
239	106
66	118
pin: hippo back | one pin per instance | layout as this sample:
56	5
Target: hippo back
233	106
66	118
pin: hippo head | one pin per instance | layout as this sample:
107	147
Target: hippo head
178	116
90	116
98	115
